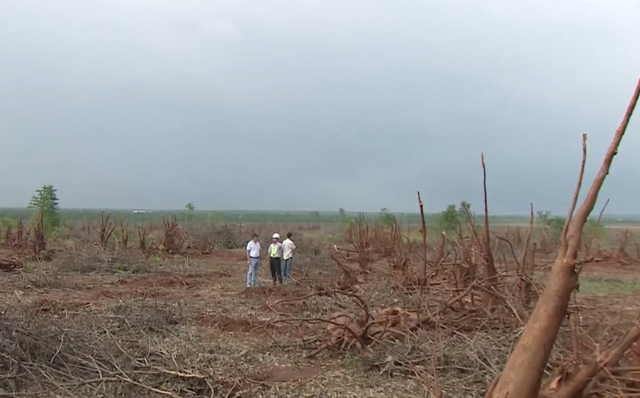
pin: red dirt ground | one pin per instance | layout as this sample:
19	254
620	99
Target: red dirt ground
219	309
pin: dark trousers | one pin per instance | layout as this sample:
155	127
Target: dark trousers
275	263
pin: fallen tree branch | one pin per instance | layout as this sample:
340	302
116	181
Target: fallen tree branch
610	358
523	372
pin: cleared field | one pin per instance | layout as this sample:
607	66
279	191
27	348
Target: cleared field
101	319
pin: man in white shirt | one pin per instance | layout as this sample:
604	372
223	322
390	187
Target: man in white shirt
253	259
288	247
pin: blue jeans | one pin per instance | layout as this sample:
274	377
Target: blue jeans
252	273
286	271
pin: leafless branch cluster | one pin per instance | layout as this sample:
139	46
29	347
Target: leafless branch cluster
122	353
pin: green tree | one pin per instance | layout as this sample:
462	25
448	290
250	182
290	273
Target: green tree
450	219
543	217
46	200
465	210
466	214
556	224
386	217
342	214
551	224
190	207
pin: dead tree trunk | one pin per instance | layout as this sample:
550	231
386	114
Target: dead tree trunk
143	234
489	263
39	244
124	235
423	232
524	274
358	236
522	375
106	230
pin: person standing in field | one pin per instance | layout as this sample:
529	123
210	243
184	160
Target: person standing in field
253	259
275	258
288	247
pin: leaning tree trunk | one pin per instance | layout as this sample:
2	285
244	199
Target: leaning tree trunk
522	375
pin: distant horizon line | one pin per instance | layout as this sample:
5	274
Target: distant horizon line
134	209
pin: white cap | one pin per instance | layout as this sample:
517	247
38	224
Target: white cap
276	236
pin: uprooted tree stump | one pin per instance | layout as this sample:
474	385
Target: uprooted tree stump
124	236
143	235
346	330
38	240
173	236
106	230
357	235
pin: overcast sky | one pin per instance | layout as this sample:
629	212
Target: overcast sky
316	104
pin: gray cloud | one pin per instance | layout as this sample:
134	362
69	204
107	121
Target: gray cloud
315	105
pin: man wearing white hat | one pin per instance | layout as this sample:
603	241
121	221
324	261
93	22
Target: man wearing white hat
275	258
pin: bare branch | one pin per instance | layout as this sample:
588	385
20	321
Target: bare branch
537	340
